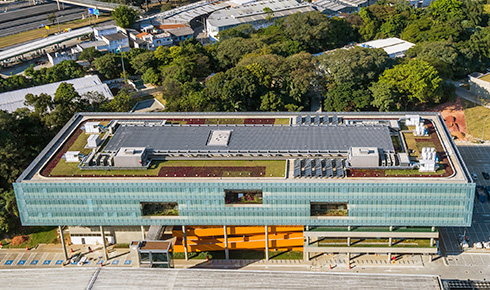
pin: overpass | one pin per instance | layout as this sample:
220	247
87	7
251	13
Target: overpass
105	6
44	42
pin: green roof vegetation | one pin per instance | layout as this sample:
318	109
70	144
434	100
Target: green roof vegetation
273	168
371	229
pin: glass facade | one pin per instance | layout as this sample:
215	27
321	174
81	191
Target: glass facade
283	203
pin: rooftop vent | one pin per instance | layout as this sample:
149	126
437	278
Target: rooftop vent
219	138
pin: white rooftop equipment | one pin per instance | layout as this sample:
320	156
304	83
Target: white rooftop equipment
72	156
428	160
93	141
412	120
219	138
364	156
404	159
130	157
420	130
92	127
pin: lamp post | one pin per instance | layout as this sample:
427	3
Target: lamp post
58	20
483	129
122	62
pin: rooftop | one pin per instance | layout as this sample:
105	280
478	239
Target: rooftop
13	100
393	46
119	278
114	36
255	11
261	146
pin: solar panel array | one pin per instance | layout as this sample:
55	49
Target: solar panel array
318	120
319	168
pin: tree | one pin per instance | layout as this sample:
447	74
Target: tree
242	31
347	97
124	16
269	12
107	65
230	51
358	65
89	54
143	62
414	83
9	215
442	55
52	18
317	32
122	102
151	77
66	102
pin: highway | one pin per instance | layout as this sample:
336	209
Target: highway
44	42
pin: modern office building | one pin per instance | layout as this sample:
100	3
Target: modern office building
329	182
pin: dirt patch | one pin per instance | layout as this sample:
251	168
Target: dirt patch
19	240
453	115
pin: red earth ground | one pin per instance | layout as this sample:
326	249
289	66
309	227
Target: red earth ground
453	115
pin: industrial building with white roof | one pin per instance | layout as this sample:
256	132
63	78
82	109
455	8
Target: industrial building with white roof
13	100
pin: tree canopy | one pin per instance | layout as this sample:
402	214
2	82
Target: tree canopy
124	16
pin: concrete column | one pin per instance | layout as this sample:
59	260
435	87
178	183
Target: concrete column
62	238
389	257
391	228
349	228
431	242
186	252
431	257
348	258
266	243
227	253
348	242
390	242
142	233
306	255
106	255
433	229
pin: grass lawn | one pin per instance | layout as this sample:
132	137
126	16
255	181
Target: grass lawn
39	33
475	116
244	255
413	172
397	243
38	235
276	168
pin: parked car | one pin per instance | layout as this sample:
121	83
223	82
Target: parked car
485	175
481	193
474	176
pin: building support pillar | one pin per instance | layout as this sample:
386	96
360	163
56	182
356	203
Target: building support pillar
433	229
348	242
106	255
142	233
390	242
391	228
266	243
348	258
431	257
431	242
186	252
349	228
62	238
227	253
389	257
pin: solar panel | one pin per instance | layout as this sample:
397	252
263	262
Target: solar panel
299	120
308	120
317	120
308	168
297	168
319	168
328	168
339	168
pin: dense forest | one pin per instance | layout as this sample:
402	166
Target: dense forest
273	69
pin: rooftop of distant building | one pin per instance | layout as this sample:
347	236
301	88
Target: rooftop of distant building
263	146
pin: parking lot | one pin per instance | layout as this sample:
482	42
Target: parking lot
52	256
477	159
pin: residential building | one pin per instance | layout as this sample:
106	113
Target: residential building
153	36
108	38
218	181
480	85
13	100
254	14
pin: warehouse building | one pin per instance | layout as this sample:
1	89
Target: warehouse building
253	13
321	183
